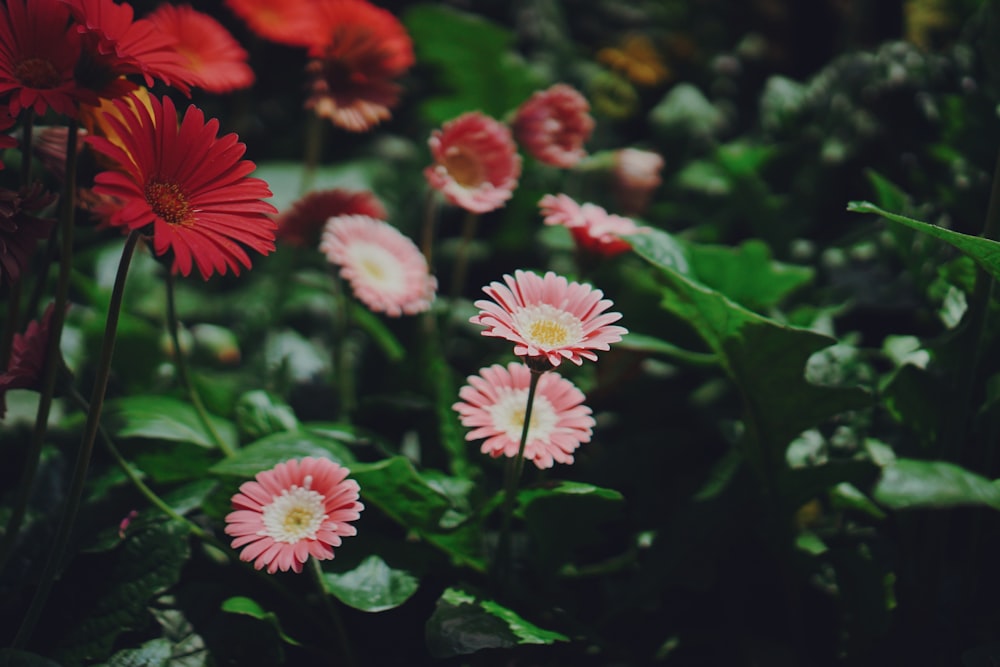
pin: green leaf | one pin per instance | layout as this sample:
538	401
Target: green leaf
984	252
272	450
643	343
372	586
660	249
476	61
462	624
154	653
259	414
910	483
445	393
379	332
247	607
165	418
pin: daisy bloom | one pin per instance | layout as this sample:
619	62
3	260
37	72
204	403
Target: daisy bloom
554	124
297	509
548	318
185	187
27	358
302	224
50	143
115	44
476	165
350	102
386	270
493	405
637	59
274	20
21	228
38	54
636	176
594	229
216	61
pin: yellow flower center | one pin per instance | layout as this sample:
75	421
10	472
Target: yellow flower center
169	203
548	333
463	167
294	515
508	415
548	327
37	73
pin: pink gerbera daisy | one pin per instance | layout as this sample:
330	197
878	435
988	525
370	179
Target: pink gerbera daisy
303	223
27	358
299	508
385	268
476	165
554	124
548	318
187	186
216	61
594	229
493	405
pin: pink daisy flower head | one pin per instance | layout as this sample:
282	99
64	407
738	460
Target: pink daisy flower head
385	268
476	165
188	187
548	318
594	229
554	124
297	509
493	405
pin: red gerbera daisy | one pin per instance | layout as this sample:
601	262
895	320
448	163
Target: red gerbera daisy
554	124
299	508
303	223
38	52
548	318
27	358
215	59
276	20
188	185
476	165
594	229
493	405
115	45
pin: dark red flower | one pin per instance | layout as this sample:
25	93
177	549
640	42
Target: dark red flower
187	186
303	223
6	122
275	20
21	228
27	358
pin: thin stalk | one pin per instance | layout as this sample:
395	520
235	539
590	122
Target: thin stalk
512	476
461	267
430	221
27	134
313	148
174	325
68	519
334	613
341	355
48	384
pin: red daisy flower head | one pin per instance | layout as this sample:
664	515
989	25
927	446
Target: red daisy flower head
21	228
216	61
38	54
350	102
385	268
554	124
636	177
594	229
188	186
548	318
27	358
366	40
297	509
476	165
274	20
493	405
303	223
115	45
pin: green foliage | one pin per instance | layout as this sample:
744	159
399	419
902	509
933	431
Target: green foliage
372	586
164	418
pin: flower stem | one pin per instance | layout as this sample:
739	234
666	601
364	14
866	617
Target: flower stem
52	365
174	325
430	221
512	475
342	367
469	226
313	148
27	132
316	569
67	520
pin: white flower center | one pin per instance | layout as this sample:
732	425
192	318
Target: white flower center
548	327
294	515
508	415
378	266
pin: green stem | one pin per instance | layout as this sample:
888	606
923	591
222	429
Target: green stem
11	317
313	148
430	221
461	267
347	653
50	373
512	476
179	361
68	519
341	358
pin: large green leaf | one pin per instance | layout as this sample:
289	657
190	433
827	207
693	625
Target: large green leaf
475	61
984	252
462	624
165	418
248	607
910	483
259	414
154	653
372	586
272	450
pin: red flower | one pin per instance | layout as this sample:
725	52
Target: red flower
6	122
20	228
27	358
303	223
276	20
554	124
38	52
188	186
476	165
594	229
215	60
115	45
